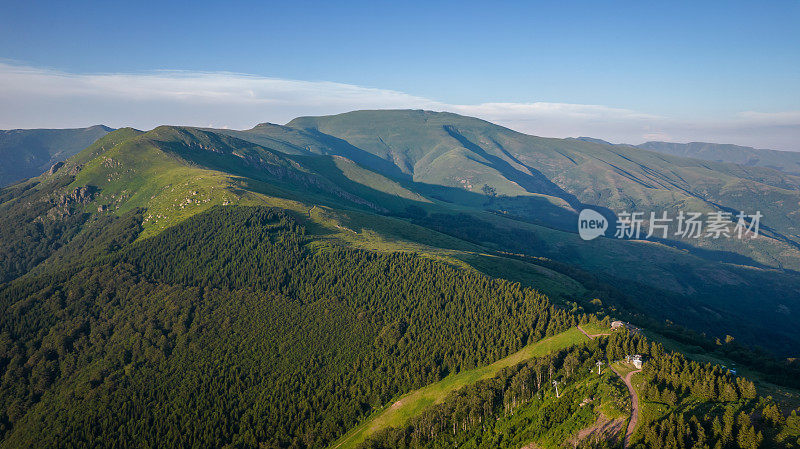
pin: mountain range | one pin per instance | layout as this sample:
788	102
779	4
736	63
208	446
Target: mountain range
319	270
431	168
787	161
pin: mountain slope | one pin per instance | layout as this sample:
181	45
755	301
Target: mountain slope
705	283
25	153
187	288
787	161
454	157
177	172
413	404
234	278
592	173
236	327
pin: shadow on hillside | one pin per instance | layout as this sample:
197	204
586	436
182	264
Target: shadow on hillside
729	310
344	148
328	184
714	255
535	182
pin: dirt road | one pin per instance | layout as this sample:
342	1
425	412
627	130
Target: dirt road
634	406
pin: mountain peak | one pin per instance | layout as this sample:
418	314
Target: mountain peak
594	140
265	125
385	115
101	127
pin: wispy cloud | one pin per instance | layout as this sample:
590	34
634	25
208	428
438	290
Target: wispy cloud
37	97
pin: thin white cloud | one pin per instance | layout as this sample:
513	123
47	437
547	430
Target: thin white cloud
194	87
35	97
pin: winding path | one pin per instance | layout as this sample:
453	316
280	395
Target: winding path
634	406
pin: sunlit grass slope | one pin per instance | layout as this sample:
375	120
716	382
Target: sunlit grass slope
413	403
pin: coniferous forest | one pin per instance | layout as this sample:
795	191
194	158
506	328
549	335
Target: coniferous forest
233	328
708	407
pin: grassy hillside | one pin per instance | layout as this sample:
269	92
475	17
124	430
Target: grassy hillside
414	403
451	158
448	159
680	404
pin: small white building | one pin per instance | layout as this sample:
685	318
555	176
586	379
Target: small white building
617	324
636	359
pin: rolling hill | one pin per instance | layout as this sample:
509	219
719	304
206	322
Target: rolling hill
453	157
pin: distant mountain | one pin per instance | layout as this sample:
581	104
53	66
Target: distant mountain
25	153
594	140
452	157
787	161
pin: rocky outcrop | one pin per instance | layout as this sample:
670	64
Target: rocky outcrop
79	195
54	168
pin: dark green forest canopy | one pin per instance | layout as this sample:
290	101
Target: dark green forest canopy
433	177
230	328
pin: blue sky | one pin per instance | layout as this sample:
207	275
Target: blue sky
684	62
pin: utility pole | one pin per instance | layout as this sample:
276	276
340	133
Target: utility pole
599	364
555	384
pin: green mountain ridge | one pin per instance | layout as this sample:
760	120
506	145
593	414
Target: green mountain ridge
415	148
176	172
785	160
463	153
